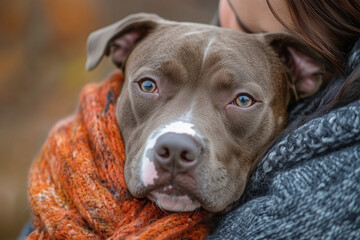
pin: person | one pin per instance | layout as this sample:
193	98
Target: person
306	186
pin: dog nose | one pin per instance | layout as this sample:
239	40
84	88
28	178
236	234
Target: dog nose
176	153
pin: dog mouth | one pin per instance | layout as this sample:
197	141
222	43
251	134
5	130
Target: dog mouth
173	198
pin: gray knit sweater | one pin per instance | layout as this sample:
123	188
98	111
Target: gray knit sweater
307	186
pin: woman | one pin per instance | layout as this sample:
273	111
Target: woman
307	186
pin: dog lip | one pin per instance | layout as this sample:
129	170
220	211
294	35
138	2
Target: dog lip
179	185
173	198
176	191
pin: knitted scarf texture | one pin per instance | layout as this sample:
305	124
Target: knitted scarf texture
77	188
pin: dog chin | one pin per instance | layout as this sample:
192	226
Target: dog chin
173	202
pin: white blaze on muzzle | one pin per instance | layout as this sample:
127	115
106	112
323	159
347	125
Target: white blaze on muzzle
148	172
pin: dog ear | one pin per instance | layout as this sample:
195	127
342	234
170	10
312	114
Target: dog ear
305	66
119	39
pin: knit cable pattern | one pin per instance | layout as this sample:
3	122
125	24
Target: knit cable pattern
77	188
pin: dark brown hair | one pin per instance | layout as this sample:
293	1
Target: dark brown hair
331	27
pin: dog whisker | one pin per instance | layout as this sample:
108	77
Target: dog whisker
195	212
159	206
184	206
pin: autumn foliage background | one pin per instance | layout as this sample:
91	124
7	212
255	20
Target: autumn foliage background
42	70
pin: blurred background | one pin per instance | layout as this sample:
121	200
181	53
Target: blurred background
42	70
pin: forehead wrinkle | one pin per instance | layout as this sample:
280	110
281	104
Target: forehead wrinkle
173	71
228	81
223	80
238	65
168	70
224	84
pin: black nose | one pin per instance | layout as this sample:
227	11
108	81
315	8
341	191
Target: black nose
176	153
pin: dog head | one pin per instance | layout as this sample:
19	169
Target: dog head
199	104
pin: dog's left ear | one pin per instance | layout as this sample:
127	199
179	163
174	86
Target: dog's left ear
119	38
306	67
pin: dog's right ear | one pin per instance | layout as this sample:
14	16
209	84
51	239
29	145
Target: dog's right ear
119	39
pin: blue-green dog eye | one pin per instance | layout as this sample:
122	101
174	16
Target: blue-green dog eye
148	86
243	101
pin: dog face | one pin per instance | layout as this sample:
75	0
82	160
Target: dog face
199	104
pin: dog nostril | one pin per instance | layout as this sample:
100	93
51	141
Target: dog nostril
163	152
187	156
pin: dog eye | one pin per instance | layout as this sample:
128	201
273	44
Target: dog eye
243	101
148	86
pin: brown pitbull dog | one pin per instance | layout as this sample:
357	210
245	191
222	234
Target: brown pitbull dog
199	104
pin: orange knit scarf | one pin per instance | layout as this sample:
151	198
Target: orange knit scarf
77	188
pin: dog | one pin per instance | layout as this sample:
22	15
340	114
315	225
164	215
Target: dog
199	104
